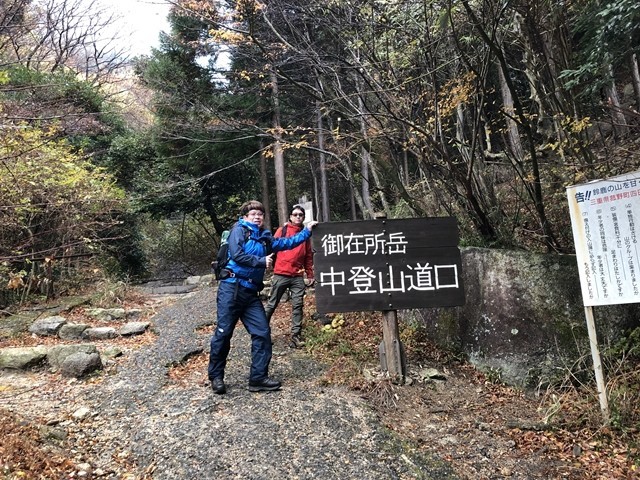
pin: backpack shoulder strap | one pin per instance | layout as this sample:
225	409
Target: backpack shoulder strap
283	232
247	233
245	229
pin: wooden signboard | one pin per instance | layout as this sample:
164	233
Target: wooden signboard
387	265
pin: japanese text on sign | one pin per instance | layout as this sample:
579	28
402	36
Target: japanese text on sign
603	217
364	244
364	279
614	192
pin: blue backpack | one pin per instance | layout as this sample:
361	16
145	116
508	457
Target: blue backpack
222	258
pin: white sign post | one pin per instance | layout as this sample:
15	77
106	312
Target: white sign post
604	216
308	208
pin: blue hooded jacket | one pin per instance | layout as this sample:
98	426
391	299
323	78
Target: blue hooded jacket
247	258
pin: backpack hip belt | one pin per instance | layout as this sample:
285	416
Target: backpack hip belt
226	273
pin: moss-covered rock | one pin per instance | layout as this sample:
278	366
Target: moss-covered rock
523	320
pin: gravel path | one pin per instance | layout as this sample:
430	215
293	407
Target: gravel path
167	430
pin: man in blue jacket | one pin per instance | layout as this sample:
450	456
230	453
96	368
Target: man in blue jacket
251	250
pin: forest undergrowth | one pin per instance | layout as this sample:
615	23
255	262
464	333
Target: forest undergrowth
559	428
561	423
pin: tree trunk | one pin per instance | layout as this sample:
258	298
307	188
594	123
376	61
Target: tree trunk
533	182
367	164
352	202
379	186
617	117
533	74
463	146
512	127
476	191
635	72
405	167
278	154
365	159
264	179
316	187
324	212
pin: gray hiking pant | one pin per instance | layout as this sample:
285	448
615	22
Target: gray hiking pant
296	286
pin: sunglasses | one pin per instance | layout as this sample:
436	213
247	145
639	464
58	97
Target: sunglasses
297	214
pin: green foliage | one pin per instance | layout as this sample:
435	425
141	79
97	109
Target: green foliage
204	154
318	338
333	342
125	256
60	86
41	170
623	381
55	204
607	33
628	347
132	159
572	402
59	199
81	113
177	246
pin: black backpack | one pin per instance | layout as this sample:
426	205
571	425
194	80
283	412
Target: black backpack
222	258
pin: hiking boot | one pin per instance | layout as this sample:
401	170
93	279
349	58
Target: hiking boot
296	341
218	386
264	385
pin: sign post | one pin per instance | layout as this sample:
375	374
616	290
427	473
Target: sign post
387	265
603	220
597	364
392	357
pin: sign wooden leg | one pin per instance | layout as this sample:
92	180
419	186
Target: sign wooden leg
391	353
597	364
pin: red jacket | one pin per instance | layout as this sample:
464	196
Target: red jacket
295	262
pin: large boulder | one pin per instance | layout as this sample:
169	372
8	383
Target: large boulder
99	333
17	324
80	364
523	319
22	358
72	331
106	314
133	328
48	326
58	354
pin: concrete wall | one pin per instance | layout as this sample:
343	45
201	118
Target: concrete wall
523	318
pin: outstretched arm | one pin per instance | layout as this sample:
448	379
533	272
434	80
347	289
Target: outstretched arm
288	243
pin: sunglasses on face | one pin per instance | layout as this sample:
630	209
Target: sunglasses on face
297	214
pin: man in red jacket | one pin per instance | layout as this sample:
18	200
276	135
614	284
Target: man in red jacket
288	273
